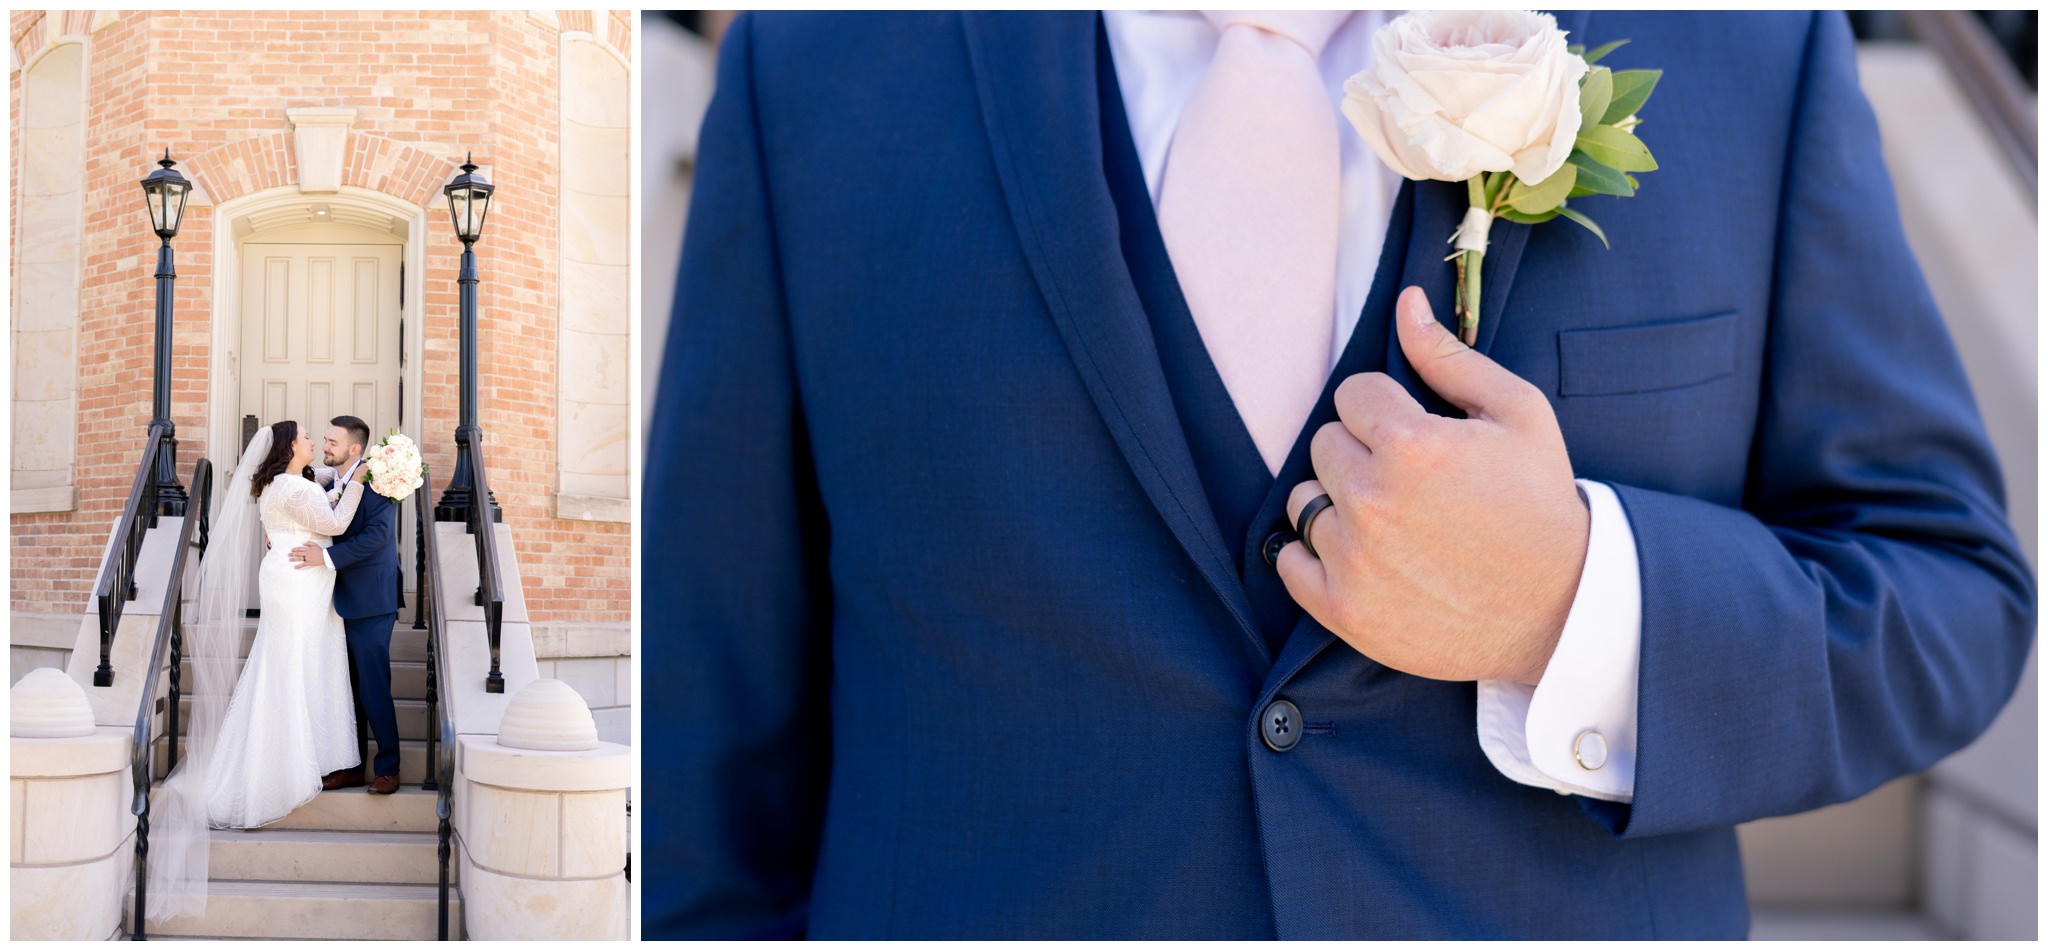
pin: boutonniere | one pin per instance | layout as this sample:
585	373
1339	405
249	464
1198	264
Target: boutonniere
1498	100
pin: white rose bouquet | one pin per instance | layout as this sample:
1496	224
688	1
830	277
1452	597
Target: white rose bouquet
1498	100
396	470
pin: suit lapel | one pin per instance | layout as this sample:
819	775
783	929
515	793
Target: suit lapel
1037	82
1439	206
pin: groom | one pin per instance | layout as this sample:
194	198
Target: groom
984	617
366	584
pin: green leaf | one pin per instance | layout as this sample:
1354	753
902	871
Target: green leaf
1599	179
1545	195
1599	51
1616	149
1632	88
1495	181
1595	92
1587	223
1513	215
1575	48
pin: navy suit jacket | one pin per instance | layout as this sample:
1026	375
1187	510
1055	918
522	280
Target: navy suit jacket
945	641
365	558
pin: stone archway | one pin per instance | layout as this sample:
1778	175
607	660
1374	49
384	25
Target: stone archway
281	216
291	187
320	155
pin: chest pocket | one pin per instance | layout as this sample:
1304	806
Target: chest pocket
1646	358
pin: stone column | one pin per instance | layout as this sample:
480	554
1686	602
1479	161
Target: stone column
540	814
71	834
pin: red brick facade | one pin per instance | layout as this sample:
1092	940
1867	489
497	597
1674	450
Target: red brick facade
213	89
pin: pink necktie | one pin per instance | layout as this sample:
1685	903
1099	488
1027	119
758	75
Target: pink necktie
1248	210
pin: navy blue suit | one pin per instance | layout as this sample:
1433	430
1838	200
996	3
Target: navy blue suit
962	629
366	594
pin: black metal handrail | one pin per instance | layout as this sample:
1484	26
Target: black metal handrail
1989	80
440	760
117	579
169	640
490	591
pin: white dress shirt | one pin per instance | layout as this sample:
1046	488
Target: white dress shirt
1575	731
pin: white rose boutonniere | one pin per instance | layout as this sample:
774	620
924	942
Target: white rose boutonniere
1498	100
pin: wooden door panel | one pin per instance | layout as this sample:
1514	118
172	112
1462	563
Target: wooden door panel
320	333
320	310
373	284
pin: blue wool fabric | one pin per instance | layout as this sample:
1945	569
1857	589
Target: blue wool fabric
954	622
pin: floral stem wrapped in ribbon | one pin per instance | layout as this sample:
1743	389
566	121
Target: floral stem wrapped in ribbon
396	470
1498	100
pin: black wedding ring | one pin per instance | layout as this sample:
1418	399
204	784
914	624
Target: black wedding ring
1307	521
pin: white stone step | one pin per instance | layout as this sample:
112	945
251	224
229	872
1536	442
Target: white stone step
331	910
412	760
408	679
406	643
324	855
412	717
410	809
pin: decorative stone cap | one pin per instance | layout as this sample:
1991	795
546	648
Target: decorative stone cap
482	759
547	715
48	704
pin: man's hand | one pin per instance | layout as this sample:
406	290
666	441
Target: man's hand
1454	546
308	555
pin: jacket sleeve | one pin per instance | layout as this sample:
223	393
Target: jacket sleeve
1867	611
736	599
378	515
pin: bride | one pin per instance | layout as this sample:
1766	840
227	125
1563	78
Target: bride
253	758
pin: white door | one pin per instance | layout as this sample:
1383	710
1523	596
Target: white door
320	335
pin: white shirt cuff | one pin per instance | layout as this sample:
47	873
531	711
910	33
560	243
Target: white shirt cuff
1575	731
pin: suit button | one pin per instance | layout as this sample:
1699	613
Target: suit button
1275	542
1280	726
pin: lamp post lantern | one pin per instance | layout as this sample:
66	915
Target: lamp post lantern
469	200
165	191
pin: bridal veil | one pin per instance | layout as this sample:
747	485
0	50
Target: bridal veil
179	840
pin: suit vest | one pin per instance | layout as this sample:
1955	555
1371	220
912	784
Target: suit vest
1250	506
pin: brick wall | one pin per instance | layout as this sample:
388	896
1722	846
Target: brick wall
428	88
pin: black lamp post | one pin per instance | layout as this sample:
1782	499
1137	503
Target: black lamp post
469	200
165	191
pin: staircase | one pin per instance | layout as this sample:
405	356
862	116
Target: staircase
348	865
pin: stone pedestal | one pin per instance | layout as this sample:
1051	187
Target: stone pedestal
540	816
71	837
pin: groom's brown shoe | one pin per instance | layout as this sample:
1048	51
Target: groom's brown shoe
342	779
384	785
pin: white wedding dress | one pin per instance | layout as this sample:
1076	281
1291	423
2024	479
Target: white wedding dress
291	718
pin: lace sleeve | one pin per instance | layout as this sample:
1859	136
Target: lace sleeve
308	507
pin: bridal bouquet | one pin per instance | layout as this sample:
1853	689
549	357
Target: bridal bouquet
1496	99
396	470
